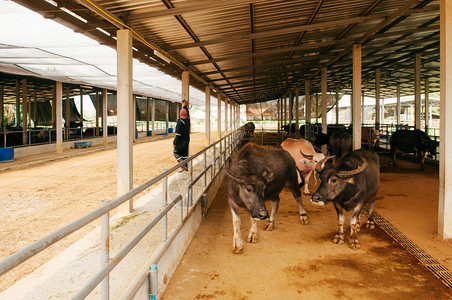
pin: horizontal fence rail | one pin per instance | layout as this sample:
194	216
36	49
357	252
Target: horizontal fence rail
219	150
211	159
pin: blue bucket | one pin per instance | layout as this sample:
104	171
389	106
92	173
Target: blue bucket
82	144
170	130
6	154
149	133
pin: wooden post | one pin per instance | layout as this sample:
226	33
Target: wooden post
81	113
230	115
399	111
125	116
427	105
445	161
97	106
219	116
68	113
167	116
324	100
59	117
147	115
2	111
278	114
356	101
24	112
317	108
186	86
226	116
285	110
207	119
336	86
417	91
297	109
17	103
35	108
290	99
307	107
104	117
377	99
153	117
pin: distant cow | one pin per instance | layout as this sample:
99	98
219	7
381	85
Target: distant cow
292	128
305	158
412	141
349	183
339	144
369	136
256	174
302	130
249	129
323	138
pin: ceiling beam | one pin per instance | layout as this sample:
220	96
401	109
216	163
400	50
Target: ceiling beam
190	6
296	29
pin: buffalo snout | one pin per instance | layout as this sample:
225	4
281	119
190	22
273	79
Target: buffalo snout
317	199
262	214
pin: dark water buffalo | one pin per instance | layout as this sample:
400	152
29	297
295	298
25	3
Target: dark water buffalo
259	173
302	130
323	138
305	158
349	183
293	129
249	129
339	144
412	141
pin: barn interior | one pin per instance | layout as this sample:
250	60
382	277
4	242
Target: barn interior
239	52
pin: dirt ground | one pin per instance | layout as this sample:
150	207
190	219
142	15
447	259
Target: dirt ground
37	199
300	262
296	261
41	198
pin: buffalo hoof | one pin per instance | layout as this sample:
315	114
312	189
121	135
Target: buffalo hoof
252	238
338	239
270	226
370	224
237	246
304	219
354	244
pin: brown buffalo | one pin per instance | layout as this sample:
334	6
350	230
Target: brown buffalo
257	174
349	183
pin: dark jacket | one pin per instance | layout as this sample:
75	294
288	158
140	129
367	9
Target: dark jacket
182	138
188	112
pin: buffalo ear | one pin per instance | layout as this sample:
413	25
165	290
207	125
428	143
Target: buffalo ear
351	180
268	175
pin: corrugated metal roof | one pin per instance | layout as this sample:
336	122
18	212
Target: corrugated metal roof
253	51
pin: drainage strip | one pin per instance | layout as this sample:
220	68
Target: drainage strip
440	271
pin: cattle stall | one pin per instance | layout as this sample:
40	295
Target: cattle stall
312	238
300	261
306	56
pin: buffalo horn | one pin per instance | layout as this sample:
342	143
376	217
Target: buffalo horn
321	164
234	178
355	171
306	155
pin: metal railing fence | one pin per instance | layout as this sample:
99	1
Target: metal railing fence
219	151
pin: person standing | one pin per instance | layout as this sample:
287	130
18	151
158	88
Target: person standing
185	106
182	137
